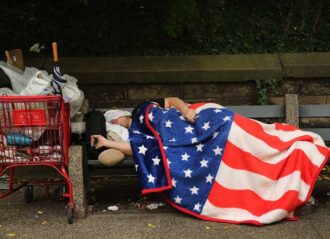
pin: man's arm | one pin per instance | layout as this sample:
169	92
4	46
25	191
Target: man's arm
121	146
124	147
188	114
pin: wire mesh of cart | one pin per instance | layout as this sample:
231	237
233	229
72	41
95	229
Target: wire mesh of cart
35	131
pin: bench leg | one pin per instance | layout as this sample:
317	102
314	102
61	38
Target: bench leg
76	173
292	109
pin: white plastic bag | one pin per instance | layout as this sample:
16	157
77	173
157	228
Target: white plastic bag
39	84
6	91
72	94
32	81
19	79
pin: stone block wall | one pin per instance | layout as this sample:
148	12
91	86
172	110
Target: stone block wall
225	79
127	95
310	91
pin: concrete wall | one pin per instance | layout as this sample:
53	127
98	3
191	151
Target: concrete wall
226	79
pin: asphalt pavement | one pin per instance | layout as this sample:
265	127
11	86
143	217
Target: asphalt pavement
132	216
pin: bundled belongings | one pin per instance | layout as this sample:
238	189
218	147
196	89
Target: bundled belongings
225	167
35	129
33	81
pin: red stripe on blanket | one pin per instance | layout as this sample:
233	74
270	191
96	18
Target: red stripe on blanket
250	201
164	158
236	158
324	151
196	105
254	128
285	127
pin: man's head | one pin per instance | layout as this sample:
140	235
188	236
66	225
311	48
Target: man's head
120	117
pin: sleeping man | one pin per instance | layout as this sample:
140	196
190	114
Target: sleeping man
217	165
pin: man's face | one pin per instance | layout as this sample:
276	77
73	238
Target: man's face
122	121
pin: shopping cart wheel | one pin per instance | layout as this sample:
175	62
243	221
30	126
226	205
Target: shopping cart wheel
70	214
28	194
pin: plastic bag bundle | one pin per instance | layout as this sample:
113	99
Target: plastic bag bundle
32	81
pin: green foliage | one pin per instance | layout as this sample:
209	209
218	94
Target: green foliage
180	16
263	88
169	27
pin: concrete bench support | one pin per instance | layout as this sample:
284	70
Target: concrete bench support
77	177
292	109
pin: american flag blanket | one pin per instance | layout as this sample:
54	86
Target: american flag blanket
225	167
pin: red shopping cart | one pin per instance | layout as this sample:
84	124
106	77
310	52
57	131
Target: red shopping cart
35	131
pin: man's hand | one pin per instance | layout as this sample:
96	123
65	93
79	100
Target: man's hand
98	141
190	115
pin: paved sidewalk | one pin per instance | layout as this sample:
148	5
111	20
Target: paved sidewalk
47	219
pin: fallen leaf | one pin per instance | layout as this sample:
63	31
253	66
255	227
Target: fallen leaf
40	212
151	225
44	222
207	227
11	234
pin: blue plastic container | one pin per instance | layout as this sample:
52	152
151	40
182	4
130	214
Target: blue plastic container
18	139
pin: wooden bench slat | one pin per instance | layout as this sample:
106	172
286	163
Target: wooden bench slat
306	111
127	162
259	111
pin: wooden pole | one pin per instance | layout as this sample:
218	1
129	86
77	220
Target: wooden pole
55	52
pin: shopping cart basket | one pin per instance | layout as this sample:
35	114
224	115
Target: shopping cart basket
35	131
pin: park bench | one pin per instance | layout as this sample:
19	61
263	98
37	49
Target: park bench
291	112
81	167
